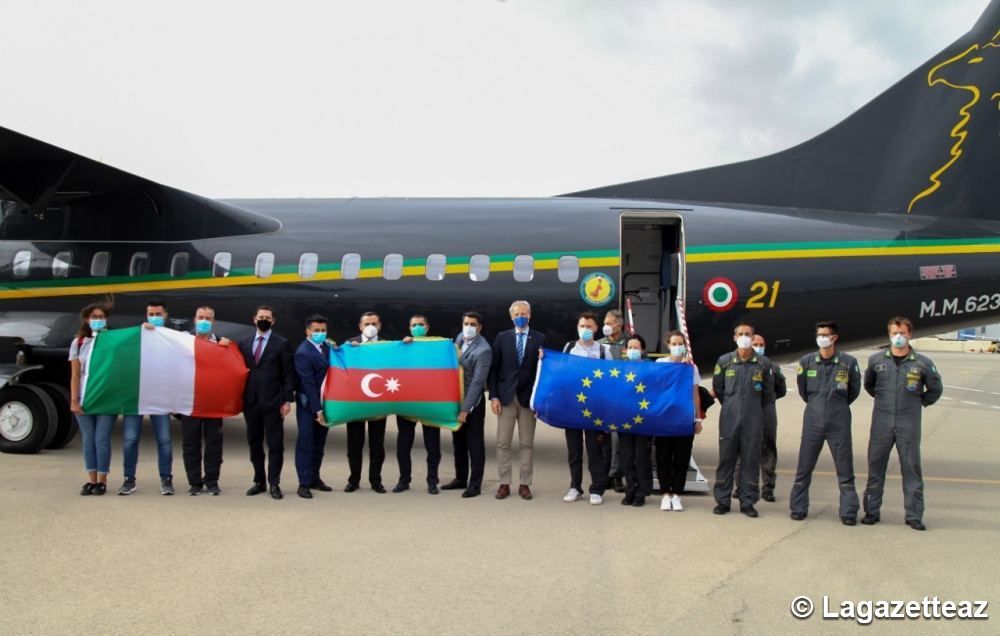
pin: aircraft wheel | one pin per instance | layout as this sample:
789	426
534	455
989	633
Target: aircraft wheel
28	419
67	428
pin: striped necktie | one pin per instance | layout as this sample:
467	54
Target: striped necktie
520	348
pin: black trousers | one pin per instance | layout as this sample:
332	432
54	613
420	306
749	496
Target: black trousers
673	456
597	460
356	447
404	446
193	431
470	447
635	463
261	424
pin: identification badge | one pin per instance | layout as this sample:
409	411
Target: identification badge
730	373
912	380
811	373
841	377
758	376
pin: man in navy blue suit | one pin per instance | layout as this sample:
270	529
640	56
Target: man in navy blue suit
312	359
512	377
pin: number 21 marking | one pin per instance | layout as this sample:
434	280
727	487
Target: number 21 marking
759	291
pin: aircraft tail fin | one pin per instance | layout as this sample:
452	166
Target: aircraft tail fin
928	145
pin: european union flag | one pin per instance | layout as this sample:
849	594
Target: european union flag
614	395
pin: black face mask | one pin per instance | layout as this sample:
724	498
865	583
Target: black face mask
263	325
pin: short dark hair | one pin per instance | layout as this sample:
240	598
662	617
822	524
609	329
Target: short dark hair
265	308
587	315
316	318
475	315
827	324
420	316
901	321
156	302
370	313
744	324
635	336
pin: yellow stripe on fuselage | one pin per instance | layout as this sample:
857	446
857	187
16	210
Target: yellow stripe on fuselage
842	252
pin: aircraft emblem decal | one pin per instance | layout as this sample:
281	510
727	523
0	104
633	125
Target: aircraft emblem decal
597	289
720	294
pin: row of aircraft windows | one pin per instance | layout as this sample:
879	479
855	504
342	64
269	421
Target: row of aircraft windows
568	268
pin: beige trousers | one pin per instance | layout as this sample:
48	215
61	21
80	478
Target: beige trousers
525	419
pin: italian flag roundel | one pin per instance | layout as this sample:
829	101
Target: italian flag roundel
138	371
720	294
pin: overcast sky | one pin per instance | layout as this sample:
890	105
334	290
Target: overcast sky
461	98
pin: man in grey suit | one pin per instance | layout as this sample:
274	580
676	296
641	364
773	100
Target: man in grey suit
470	446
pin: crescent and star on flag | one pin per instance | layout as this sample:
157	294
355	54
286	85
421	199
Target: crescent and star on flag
391	385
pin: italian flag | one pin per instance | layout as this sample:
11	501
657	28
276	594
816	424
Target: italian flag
421	380
138	371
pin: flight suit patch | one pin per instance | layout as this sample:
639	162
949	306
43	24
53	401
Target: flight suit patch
718	370
811	373
730	373
758	376
912	380
799	370
879	368
841	376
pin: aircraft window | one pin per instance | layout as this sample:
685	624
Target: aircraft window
264	266
21	264
99	264
392	267
524	268
569	269
308	264
350	266
61	263
436	264
179	264
221	264
479	267
139	265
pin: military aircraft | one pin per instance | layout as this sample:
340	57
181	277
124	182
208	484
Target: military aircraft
892	211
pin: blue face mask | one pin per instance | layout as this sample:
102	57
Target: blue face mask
156	321
98	324
759	350
633	354
203	327
318	337
521	322
586	334
418	331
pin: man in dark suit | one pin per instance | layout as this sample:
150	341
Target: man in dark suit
312	359
512	376
369	326
267	399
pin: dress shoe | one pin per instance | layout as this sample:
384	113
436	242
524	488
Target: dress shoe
350	487
768	496
749	511
471	491
639	501
797	516
432	489
380	489
503	491
304	492
524	492
320	485
400	487
849	521
256	489
617	485
720	509
276	492
870	520
916	524
628	499
454	484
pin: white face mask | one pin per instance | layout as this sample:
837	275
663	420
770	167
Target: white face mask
824	341
743	342
469	332
607	330
678	351
370	331
898	340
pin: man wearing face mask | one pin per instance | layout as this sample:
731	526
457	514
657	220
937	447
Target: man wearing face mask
369	325
829	381
311	362
209	429
470	446
512	377
419	328
902	382
769	434
267	400
743	384
156	317
616	340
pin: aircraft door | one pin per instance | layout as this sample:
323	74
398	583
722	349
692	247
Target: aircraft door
651	273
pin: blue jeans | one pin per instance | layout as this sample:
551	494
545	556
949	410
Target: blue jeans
96	433
132	426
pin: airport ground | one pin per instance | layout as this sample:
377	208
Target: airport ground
415	563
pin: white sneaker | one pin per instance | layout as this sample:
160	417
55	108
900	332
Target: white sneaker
596	500
572	495
675	503
665	503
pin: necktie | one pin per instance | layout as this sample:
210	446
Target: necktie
520	348
257	351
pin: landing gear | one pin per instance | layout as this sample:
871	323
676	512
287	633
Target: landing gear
28	419
66	424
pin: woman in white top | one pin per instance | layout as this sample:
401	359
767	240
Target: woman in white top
673	454
597	460
95	429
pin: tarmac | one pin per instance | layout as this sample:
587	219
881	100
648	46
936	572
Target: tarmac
420	564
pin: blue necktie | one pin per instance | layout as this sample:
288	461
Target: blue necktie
520	348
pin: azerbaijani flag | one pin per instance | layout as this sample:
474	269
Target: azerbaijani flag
421	380
137	371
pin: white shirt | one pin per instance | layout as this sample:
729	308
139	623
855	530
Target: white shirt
266	336
593	351
81	351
